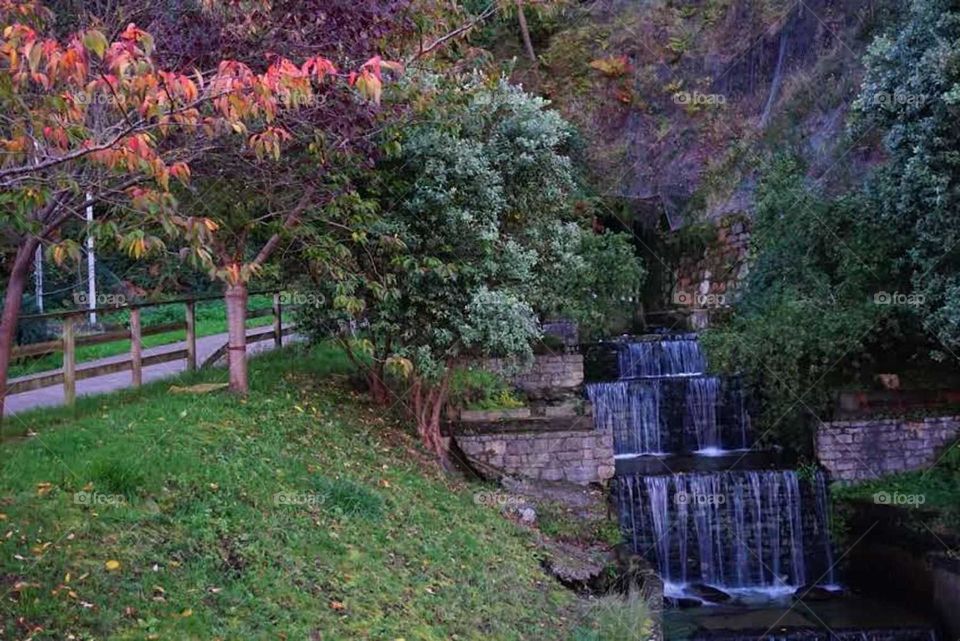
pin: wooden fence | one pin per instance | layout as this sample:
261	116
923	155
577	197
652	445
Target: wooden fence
135	362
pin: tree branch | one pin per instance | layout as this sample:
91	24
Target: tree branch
439	42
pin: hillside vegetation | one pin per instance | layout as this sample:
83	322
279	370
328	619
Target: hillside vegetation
299	513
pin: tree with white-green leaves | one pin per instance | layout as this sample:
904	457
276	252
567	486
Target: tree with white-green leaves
911	92
448	265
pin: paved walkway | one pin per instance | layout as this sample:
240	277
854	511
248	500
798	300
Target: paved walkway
206	346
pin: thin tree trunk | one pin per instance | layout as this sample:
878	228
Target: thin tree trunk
378	387
525	32
236	303
11	308
427	406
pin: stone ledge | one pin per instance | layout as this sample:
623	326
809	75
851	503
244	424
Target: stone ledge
580	457
529	425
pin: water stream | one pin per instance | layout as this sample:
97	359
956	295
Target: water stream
664	402
752	530
745	531
730	534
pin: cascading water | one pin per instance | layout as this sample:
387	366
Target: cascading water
677	356
734	530
631	411
663	402
701	412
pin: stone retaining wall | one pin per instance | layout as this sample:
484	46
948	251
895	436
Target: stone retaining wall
550	373
708	283
866	449
577	456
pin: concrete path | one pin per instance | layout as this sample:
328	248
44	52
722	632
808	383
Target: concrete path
206	346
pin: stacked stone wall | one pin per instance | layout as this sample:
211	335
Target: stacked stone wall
866	449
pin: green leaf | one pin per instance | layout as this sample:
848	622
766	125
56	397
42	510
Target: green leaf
95	42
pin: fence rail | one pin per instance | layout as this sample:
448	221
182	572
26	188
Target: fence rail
135	362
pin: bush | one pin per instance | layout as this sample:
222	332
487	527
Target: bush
807	321
480	389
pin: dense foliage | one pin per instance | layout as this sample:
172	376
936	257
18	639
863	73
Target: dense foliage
844	287
811	316
468	217
587	277
912	92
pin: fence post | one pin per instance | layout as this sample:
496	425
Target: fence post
191	336
136	364
69	359
277	321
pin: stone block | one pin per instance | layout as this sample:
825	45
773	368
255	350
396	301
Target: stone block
551	474
605	471
580	475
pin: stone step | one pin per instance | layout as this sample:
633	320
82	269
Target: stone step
680	463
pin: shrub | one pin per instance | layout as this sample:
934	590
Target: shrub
480	389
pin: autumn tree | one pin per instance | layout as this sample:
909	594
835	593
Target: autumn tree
263	200
86	120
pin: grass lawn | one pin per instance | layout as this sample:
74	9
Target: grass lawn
939	487
211	319
300	513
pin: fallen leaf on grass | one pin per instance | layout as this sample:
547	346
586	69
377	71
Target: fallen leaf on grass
44	488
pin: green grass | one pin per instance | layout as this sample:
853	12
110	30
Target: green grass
939	486
211	319
617	618
479	389
301	512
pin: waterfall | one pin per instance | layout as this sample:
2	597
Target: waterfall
669	357
701	411
727	529
630	410
744	417
823	525
663	402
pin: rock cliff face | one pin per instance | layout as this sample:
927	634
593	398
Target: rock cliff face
679	101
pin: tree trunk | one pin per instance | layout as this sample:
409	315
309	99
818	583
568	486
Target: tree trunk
378	387
427	402
11	308
525	32
236	302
